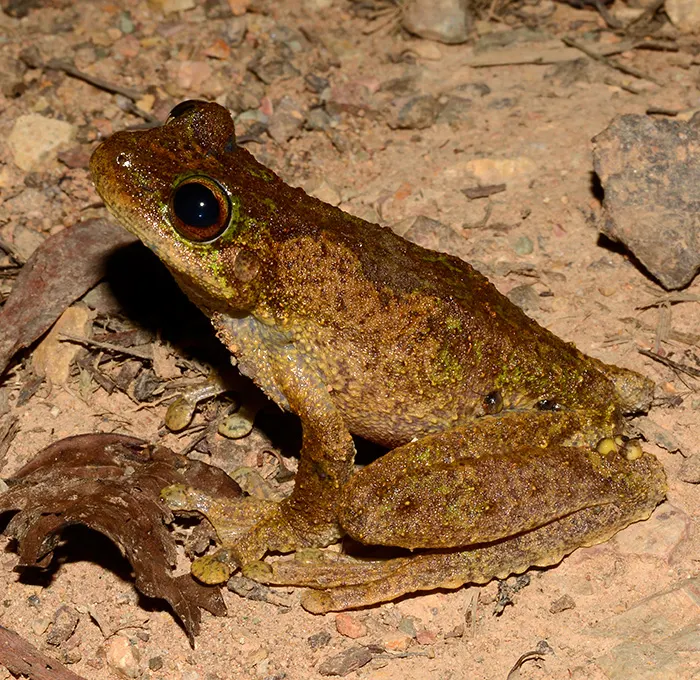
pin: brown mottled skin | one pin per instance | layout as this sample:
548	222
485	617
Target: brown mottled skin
493	420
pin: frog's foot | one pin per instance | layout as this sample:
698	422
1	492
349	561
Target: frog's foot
247	527
340	582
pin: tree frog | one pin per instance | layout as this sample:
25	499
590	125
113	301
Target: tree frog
505	442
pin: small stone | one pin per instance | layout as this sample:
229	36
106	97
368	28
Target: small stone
353	98
239	7
219	49
689	471
525	297
287	120
35	140
684	14
318	640
397	642
40	625
123	657
447	21
318	119
407	625
191	75
455	109
562	604
65	621
73	655
346	662
509	171
413	113
426	637
155	663
429	233
523	245
172	6
349	626
325	191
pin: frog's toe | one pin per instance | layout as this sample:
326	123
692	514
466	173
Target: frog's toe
257	571
214	569
630	449
317	601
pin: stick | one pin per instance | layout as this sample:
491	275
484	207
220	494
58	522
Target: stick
629	70
20	657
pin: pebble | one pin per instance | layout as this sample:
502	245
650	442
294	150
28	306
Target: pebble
447	21
525	297
397	642
287	120
498	170
562	604
346	662
65	621
325	191
426	637
172	6
318	640
318	119
689	471
349	626
413	113
353	98
684	14
35	140
123	657
523	245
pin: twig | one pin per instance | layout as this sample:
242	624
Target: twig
132	95
647	15
675	365
129	351
611	20
69	69
20	657
629	70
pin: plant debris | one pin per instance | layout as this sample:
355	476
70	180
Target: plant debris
61	270
111	483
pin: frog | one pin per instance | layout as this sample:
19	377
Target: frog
505	446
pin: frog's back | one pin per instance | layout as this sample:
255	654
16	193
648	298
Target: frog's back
410	340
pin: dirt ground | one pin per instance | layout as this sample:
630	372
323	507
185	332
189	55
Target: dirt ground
626	609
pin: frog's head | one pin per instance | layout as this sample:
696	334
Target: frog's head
178	188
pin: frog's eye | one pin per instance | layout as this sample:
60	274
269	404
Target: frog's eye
183	107
200	209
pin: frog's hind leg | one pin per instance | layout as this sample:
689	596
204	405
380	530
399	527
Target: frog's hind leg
494	498
341	582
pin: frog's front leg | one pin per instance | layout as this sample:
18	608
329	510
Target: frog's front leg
308	517
483	501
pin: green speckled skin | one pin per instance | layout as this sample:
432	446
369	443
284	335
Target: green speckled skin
358	331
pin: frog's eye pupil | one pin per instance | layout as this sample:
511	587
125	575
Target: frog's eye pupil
196	205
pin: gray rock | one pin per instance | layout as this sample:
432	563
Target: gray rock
432	234
650	171
287	120
413	113
346	662
447	21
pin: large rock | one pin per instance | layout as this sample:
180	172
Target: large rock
650	171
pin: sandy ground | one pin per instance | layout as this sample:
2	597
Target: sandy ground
629	608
